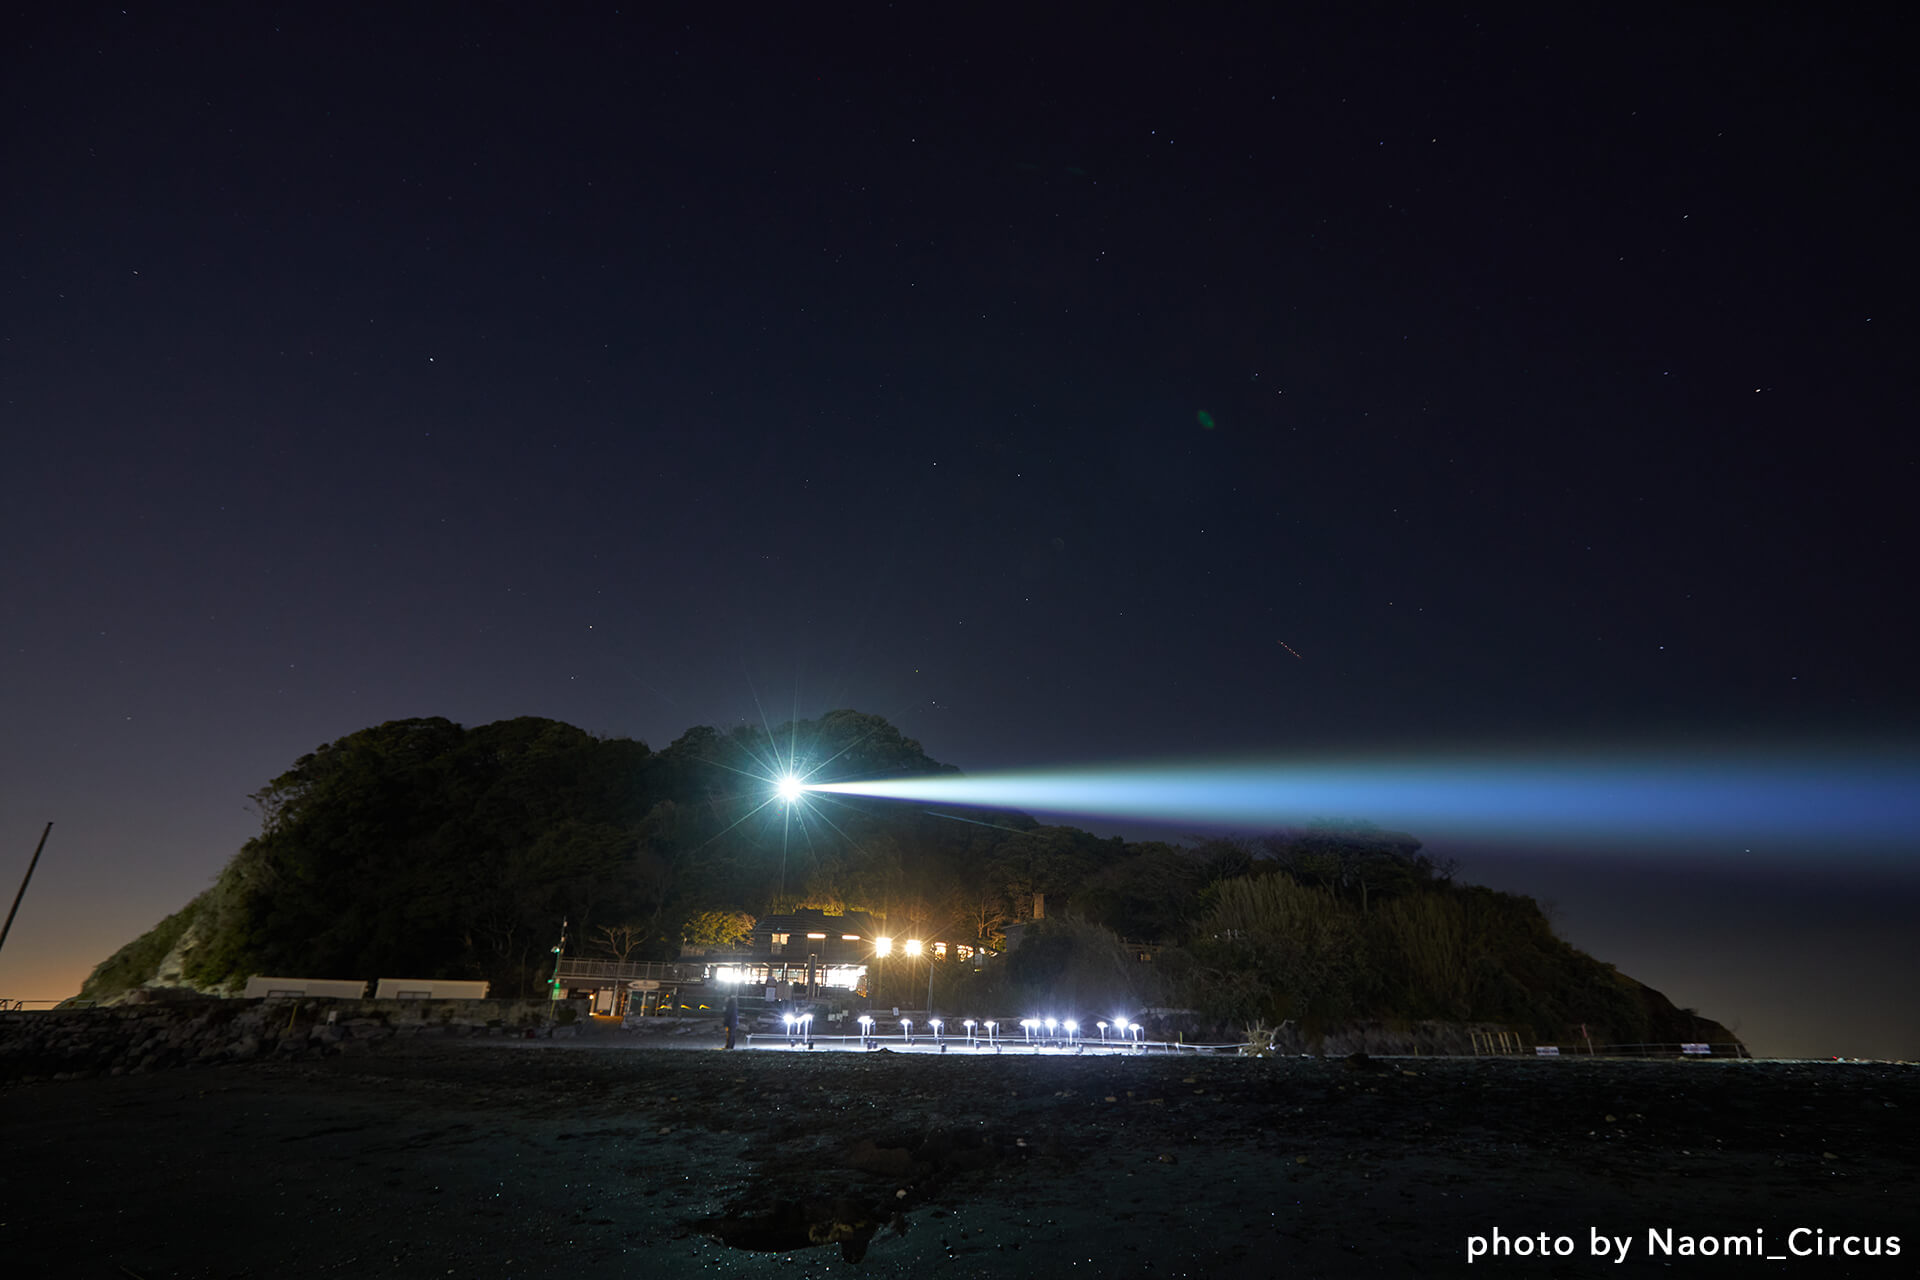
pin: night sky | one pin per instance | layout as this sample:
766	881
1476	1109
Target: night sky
1234	383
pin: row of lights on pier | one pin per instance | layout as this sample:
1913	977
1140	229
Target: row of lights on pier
1039	1032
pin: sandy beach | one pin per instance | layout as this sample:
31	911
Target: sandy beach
599	1158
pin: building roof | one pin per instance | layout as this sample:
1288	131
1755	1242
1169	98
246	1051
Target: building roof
815	920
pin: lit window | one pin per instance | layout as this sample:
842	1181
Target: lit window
780	939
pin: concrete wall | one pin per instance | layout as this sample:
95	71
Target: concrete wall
435	989
259	988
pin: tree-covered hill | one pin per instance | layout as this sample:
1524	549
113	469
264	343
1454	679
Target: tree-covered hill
425	849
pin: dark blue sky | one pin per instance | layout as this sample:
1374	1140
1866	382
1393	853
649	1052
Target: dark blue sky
607	366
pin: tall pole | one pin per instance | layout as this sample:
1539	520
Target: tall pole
8	926
559	949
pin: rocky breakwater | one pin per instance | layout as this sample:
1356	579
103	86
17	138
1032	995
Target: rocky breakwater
72	1044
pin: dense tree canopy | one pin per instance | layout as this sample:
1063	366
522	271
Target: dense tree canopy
420	848
425	848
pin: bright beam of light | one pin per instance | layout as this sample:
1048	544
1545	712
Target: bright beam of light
790	788
1742	799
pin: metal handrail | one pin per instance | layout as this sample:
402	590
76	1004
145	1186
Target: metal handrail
656	970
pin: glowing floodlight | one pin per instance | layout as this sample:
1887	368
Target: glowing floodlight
883	946
790	788
913	946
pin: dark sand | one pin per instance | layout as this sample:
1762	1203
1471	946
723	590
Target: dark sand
600	1159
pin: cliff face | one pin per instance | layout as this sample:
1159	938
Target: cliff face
172	969
1668	1024
158	958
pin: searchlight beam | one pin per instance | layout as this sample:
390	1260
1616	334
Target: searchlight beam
1862	801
